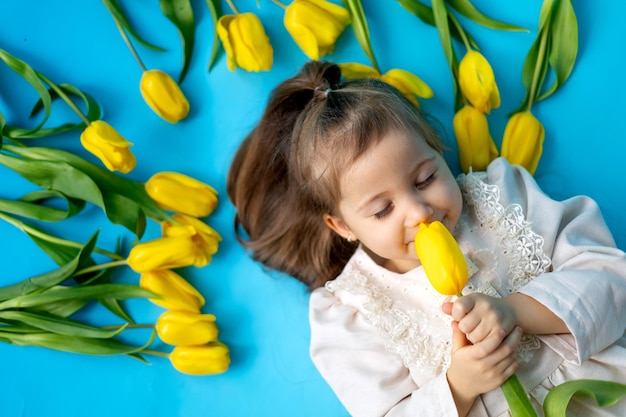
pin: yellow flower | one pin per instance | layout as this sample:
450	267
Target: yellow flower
175	292
522	143
209	359
478	83
409	84
204	238
163	95
441	258
315	25
102	140
245	42
181	193
163	253
476	147
184	328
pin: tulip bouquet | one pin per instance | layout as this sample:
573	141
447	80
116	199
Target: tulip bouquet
447	271
41	310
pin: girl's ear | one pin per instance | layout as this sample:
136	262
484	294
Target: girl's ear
337	225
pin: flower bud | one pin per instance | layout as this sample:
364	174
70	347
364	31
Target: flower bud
441	257
163	95
184	328
102	140
315	25
209	359
204	237
522	143
163	253
175	292
245	42
478	83
476	147
408	84
180	193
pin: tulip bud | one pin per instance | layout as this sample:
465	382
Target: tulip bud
408	84
204	237
163	253
441	257
180	193
163	95
478	83
184	328
476	147
522	143
245	42
209	359
315	25
102	140
354	70
175	292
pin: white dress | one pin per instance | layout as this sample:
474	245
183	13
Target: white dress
382	343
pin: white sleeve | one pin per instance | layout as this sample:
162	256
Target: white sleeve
368	379
586	286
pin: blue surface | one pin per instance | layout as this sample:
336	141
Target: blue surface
263	318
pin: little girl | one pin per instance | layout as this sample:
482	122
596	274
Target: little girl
330	187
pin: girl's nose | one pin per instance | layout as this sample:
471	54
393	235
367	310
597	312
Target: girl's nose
419	212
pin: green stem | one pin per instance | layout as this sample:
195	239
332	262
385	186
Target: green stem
232	6
538	65
516	397
113	264
155	353
130	326
279	4
53	239
458	26
64	97
132	49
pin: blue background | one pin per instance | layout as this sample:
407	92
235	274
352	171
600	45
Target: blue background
262	317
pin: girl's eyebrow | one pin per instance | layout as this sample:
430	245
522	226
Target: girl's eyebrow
360	207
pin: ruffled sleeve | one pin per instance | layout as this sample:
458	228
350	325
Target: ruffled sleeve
586	283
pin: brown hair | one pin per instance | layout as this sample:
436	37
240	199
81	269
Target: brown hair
286	174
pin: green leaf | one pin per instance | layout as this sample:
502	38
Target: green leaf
98	291
361	30
32	206
60	325
74	344
563	45
216	12
180	13
50	279
516	398
440	13
467	9
116	308
120	18
63	308
606	393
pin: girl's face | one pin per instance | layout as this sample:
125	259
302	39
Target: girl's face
386	193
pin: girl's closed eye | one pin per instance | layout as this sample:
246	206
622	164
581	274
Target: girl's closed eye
423	184
384	212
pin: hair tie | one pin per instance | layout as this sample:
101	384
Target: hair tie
328	90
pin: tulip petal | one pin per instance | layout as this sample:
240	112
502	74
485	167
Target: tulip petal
253	51
222	32
354	70
408	83
476	146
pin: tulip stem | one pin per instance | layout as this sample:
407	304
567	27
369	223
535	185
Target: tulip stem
132	49
538	66
155	353
65	98
456	23
53	239
232	6
99	267
279	4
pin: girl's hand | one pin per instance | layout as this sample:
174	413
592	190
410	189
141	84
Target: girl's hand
480	316
479	368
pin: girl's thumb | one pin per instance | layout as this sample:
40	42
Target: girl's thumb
458	337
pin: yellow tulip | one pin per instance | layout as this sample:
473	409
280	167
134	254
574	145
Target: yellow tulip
441	258
204	237
478	83
315	25
102	140
163	253
184	328
522	143
175	292
181	193
163	95
476	146
209	359
354	70
245	42
408	84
